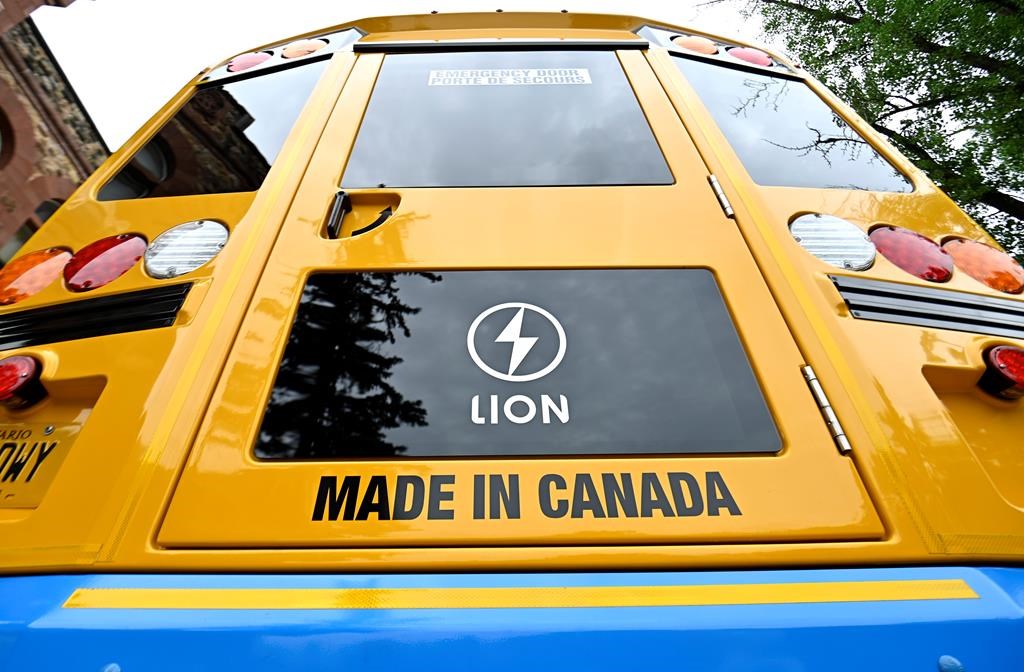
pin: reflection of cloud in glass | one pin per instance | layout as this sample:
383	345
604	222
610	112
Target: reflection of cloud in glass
504	134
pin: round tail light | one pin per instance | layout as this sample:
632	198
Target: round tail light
696	44
752	56
103	261
19	382
185	248
246	61
835	241
986	264
913	253
1004	372
31	274
303	48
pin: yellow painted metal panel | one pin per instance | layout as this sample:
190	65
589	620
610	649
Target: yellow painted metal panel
932	475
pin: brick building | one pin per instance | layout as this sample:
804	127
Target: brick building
48	143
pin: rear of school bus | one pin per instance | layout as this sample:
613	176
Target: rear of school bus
510	341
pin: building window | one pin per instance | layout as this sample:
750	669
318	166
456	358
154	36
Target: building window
10	248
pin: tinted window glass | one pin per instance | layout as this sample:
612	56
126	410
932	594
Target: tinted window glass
785	134
514	363
504	119
224	139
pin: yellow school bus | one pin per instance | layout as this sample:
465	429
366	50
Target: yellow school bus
505	340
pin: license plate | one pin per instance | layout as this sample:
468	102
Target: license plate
30	456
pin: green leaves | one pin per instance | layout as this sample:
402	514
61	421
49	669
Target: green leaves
943	80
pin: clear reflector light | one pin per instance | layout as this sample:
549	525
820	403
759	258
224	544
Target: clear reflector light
835	241
185	248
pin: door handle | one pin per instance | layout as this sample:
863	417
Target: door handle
340	206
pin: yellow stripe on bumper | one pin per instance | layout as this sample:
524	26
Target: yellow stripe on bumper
517	598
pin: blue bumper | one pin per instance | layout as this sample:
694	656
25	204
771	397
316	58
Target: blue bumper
820	620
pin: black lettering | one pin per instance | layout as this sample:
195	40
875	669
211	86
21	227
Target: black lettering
9	448
719	495
585	498
616	495
479	485
696	505
407	508
330	500
44	452
653	497
550	482
375	500
504	498
438	496
19	462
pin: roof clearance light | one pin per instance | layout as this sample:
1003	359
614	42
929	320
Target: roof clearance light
751	55
835	241
986	264
31	274
914	253
696	43
1004	375
246	61
19	382
302	48
185	248
103	261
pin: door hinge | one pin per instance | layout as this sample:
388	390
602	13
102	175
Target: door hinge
723	200
831	421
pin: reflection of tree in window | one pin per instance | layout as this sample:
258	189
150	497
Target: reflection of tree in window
785	134
332	398
822	140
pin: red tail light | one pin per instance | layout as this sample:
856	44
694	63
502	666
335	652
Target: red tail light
1004	375
103	261
986	264
751	55
246	61
19	382
914	253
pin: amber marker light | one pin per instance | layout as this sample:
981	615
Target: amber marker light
246	61
696	44
31	274
986	264
1004	372
103	261
302	48
913	253
19	382
751	55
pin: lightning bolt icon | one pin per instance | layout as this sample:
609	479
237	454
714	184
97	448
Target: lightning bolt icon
521	345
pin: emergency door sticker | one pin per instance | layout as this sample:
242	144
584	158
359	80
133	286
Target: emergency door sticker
509	77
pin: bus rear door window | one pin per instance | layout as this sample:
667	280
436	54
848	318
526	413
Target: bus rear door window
492	119
785	134
223	140
514	364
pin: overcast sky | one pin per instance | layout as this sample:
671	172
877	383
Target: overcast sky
126	58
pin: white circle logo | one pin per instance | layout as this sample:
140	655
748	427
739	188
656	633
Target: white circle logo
521	345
